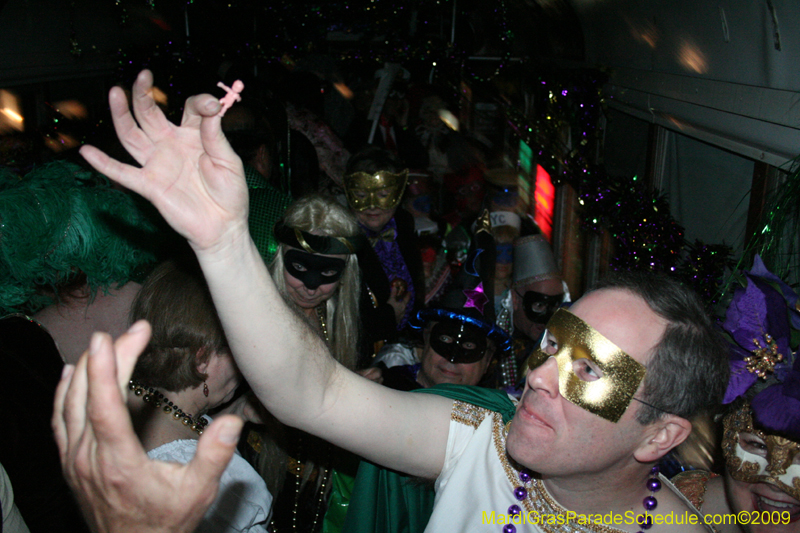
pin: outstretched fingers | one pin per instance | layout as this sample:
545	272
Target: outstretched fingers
202	112
58	423
216	144
109	368
127	349
198	107
133	139
126	175
74	407
189	172
151	119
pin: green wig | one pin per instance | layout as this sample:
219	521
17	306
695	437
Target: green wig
62	223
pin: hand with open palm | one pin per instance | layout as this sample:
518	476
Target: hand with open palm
189	172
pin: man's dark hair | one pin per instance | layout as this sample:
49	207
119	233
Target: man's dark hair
247	130
688	371
372	159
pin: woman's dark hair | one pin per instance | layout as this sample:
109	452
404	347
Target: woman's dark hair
186	329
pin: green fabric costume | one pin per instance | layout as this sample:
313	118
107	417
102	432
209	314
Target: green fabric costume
267	205
385	501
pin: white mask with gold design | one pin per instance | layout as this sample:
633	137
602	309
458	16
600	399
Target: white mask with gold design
753	456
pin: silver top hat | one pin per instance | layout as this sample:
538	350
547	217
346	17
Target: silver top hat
533	260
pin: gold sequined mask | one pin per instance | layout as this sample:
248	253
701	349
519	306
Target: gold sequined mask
593	373
753	456
381	190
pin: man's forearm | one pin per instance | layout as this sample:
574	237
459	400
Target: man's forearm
282	359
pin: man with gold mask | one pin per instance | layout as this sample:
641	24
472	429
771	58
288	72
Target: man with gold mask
392	268
761	427
569	448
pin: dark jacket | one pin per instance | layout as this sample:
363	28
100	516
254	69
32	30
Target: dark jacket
377	316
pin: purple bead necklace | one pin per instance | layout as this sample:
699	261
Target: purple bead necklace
520	493
644	520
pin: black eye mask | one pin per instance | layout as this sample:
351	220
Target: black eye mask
540	307
313	270
457	342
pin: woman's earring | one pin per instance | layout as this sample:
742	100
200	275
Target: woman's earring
205	389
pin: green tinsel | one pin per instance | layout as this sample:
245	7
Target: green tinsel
776	241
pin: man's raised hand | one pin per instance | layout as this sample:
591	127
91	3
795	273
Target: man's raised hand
189	172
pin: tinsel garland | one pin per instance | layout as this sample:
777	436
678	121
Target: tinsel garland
647	237
705	267
776	241
559	120
645	234
567	105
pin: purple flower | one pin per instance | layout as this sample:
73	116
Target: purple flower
758	319
760	270
777	408
741	378
758	310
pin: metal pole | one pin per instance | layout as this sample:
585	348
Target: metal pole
453	25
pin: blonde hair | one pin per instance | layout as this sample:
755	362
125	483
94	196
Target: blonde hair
320	215
323	215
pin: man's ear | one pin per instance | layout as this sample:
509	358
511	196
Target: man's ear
662	436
